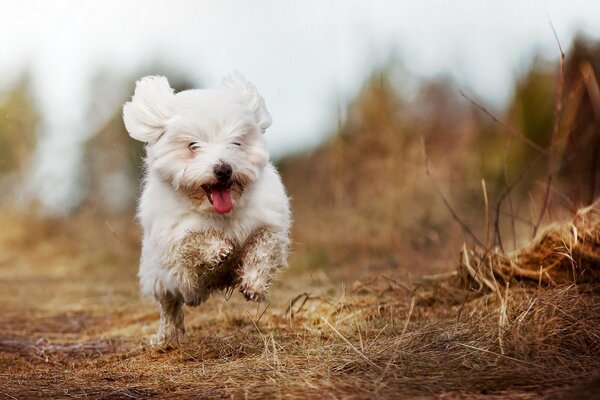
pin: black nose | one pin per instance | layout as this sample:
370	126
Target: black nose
223	172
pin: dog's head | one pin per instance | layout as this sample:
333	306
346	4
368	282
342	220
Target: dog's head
207	143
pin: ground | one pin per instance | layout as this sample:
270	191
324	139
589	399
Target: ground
73	325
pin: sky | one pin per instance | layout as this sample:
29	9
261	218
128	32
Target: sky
306	58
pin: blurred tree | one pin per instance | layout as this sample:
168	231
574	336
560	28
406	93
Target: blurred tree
581	158
114	161
533	111
365	189
532	107
17	139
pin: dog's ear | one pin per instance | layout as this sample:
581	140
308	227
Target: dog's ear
146	115
251	96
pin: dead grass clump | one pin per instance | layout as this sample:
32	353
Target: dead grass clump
488	344
379	342
563	254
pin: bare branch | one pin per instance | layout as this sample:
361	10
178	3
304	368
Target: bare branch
509	128
455	216
562	53
353	347
558	106
509	189
593	89
486	203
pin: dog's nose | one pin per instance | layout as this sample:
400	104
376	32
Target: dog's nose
223	172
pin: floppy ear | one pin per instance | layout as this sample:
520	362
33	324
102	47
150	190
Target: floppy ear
251	96
145	116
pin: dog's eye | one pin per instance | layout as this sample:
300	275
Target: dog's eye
194	146
237	144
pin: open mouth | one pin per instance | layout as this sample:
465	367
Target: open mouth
219	196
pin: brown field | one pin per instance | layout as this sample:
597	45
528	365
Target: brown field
74	326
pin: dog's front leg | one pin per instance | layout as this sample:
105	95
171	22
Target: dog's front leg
264	253
200	263
171	328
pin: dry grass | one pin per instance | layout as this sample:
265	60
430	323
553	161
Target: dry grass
566	253
72	325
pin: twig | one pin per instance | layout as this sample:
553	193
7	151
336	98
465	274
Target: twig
510	129
8	395
455	216
502	317
510	200
256	326
395	282
362	346
360	353
374	340
556	126
487	213
497	354
562	54
464	302
275	358
518	218
262	313
295	299
567	202
509	189
410	311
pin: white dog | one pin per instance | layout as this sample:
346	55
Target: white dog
214	211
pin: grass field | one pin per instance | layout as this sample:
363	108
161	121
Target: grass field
72	325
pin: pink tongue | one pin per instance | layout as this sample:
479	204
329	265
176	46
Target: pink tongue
221	197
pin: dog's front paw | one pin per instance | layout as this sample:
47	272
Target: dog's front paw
251	293
224	253
202	249
221	250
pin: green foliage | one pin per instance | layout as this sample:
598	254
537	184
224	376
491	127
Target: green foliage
17	138
532	106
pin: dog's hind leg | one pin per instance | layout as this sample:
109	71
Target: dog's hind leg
265	252
171	329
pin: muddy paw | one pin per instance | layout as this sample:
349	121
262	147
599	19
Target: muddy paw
251	293
222	253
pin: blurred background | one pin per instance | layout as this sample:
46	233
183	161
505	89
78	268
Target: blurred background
388	117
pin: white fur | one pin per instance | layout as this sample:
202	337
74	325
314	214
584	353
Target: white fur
217	119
